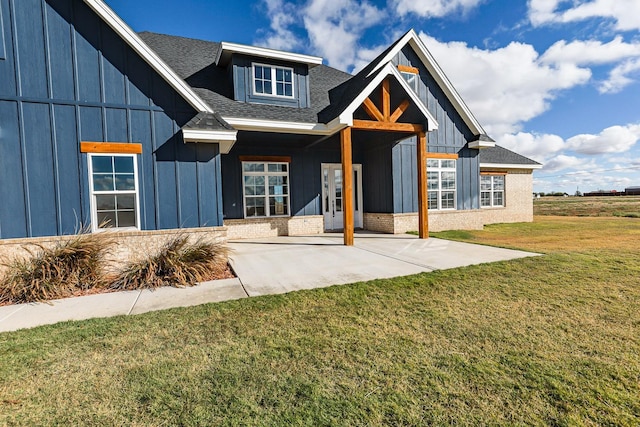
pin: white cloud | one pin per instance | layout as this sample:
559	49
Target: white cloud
590	51
282	16
507	86
614	139
335	27
625	13
563	161
539	147
619	76
434	8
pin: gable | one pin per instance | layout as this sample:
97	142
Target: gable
422	58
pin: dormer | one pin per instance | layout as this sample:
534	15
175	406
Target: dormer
267	76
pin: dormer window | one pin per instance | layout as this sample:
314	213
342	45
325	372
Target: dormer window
272	81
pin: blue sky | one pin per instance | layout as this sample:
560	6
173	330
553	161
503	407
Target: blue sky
555	80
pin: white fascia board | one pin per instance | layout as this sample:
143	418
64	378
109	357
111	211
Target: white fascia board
258	125
197	135
346	117
224	139
150	57
508	166
438	74
264	52
478	145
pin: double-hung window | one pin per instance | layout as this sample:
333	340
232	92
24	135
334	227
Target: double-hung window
266	189
113	180
273	81
491	191
441	184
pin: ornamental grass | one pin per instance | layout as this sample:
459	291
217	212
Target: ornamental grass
71	267
179	263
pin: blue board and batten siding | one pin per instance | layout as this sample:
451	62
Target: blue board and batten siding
451	137
67	77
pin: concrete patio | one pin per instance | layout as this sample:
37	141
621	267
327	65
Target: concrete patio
274	266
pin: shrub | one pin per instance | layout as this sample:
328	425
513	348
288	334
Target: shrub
69	267
178	263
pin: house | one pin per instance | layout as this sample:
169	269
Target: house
150	133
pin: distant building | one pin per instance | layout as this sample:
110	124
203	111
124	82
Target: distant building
632	191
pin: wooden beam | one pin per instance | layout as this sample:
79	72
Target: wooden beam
407	69
423	212
493	172
111	147
399	111
442	156
347	186
391	127
371	109
386	99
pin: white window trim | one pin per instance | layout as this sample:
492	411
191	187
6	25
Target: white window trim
493	191
93	193
266	174
273	81
440	190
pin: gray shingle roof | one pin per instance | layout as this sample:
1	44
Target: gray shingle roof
500	155
208	121
193	60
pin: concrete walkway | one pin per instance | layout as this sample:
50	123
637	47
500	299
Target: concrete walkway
272	266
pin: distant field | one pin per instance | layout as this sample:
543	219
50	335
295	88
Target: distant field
621	206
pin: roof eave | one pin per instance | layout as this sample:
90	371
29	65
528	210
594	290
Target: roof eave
510	166
224	138
227	49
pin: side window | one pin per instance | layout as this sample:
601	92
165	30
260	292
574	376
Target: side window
113	183
441	184
492	191
412	79
266	189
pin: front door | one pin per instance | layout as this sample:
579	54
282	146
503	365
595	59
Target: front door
332	196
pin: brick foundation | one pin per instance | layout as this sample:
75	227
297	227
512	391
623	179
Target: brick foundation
438	221
269	227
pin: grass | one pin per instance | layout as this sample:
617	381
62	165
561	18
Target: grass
622	206
551	340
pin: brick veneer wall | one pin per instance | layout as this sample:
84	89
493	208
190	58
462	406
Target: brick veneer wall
518	200
518	208
252	228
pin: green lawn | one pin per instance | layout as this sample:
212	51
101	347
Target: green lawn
545	340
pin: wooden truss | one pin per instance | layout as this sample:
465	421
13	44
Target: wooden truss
383	120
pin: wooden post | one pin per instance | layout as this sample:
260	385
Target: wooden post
347	185
423	215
